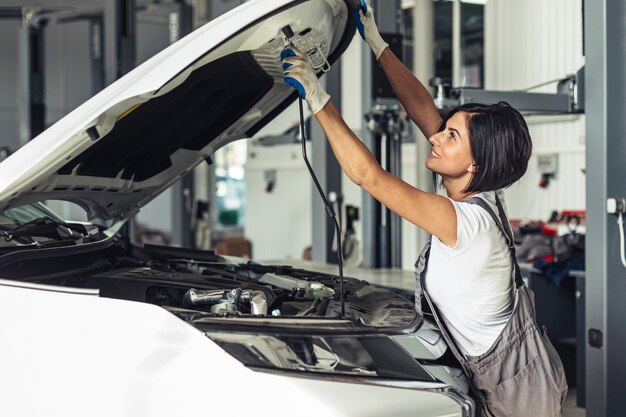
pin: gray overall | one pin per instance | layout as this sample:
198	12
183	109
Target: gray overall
520	374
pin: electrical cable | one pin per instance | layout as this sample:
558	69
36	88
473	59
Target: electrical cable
620	225
329	208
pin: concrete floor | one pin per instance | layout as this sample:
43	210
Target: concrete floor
569	408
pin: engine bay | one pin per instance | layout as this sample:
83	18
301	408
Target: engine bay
200	284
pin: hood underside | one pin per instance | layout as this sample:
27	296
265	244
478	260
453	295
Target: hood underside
223	82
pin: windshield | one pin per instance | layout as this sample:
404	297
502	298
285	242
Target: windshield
19	215
36	226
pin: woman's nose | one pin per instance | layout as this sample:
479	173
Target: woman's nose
434	139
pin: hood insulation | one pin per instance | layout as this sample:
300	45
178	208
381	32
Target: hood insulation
188	117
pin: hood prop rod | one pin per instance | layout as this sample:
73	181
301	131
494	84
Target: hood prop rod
329	210
288	32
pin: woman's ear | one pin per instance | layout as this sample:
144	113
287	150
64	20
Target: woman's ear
473	168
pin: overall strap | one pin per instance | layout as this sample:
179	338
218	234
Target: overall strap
420	272
505	227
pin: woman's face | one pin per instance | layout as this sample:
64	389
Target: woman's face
451	155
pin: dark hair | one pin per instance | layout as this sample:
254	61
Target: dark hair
499	142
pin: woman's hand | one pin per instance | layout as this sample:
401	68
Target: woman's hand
364	18
299	74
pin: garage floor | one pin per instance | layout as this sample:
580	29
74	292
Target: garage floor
569	408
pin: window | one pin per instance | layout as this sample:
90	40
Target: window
230	186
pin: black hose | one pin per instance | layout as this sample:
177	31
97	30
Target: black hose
312	308
329	208
322	307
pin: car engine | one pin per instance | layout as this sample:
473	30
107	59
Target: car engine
200	283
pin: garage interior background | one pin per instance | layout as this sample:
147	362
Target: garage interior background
526	43
551	49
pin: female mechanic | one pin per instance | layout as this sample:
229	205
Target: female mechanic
467	273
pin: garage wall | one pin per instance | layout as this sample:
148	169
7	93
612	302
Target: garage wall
9	115
67	80
551	48
278	221
67	69
527	43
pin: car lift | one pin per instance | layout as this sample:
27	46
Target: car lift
569	98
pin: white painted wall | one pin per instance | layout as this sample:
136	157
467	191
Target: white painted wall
352	111
278	223
527	43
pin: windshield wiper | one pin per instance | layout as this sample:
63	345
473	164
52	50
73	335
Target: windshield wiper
44	227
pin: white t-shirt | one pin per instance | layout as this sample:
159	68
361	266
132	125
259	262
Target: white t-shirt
471	283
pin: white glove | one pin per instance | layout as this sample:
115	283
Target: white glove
299	73
365	23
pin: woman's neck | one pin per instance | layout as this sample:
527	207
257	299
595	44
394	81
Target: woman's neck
455	188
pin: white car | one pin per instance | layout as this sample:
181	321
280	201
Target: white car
93	325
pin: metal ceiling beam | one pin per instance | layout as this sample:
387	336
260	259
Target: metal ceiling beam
10	12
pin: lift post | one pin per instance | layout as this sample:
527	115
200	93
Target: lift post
386	124
382	239
605	277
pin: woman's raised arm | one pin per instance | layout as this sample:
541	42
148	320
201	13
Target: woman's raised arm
414	97
431	212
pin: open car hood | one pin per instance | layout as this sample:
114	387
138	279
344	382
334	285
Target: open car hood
223	82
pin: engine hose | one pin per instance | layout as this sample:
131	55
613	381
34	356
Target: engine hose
322	308
312	308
